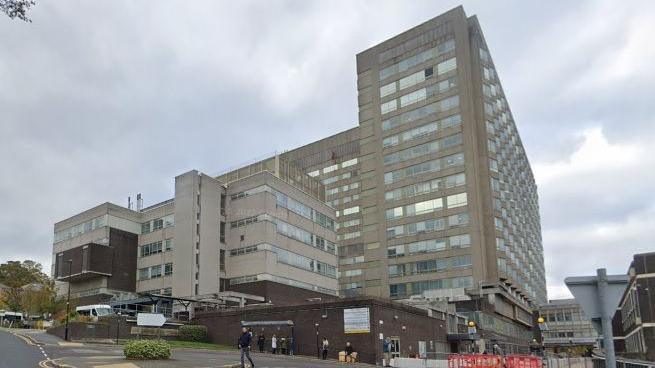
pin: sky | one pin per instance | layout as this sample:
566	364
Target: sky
105	99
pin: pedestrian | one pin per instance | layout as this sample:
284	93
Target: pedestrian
273	344
324	350
283	345
244	346
261	341
351	355
386	351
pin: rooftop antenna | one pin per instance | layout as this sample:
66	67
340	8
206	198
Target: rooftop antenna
139	202
129	202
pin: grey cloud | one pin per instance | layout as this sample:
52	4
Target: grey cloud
103	99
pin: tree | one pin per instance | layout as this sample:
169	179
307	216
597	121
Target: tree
16	275
16	8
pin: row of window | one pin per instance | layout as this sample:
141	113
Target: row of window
80	229
421	112
428	226
336	178
289	258
417	59
156	247
424	168
348	211
430	246
432	205
426	187
418	77
417	288
334	167
289	230
422	131
424	149
431	265
419	95
154	272
291	204
342	189
156	224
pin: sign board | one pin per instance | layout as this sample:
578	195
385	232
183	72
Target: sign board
356	320
585	292
150	319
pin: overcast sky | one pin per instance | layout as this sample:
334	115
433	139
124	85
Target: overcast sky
103	99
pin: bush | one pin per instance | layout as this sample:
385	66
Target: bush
195	333
147	349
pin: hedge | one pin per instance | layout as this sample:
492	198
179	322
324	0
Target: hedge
195	333
147	349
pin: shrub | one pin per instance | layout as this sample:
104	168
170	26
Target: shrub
196	333
147	349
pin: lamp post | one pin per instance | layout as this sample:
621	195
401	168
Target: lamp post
542	327
68	299
318	350
118	327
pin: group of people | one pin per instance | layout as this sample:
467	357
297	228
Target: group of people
279	345
283	345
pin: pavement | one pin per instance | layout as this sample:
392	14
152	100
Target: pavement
39	349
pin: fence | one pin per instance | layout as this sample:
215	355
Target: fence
595	362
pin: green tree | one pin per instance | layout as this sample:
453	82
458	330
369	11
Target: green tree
16	8
26	284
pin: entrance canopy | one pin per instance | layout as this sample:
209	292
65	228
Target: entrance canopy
266	323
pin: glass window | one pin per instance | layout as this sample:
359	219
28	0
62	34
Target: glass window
456	200
446	66
388	106
387	89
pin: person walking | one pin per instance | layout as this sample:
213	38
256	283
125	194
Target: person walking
283	345
261	341
244	346
273	344
386	351
324	349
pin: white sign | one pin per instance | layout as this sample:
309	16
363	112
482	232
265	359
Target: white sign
150	319
356	320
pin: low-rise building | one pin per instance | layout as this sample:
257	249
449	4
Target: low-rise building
566	327
260	234
634	322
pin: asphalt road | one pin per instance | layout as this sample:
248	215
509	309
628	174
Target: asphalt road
15	353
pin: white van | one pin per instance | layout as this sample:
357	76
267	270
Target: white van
95	310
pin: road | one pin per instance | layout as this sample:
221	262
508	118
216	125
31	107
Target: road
15	353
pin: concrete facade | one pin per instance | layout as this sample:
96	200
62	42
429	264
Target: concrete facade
211	237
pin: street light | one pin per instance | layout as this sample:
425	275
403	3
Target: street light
118	327
68	299
318	350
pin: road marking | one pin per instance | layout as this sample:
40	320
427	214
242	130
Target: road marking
122	365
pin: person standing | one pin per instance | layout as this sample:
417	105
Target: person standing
273	344
386	350
244	346
283	345
324	349
261	341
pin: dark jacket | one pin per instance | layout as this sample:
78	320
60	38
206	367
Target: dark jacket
349	350
244	340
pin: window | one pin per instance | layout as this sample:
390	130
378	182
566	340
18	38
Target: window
350	211
387	89
222	232
446	66
168	269
155	271
493	165
144	273
425	167
388	106
456	200
415	209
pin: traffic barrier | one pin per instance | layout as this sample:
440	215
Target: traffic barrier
475	361
522	361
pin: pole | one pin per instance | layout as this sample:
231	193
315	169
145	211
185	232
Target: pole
605	319
68	299
118	327
318	350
